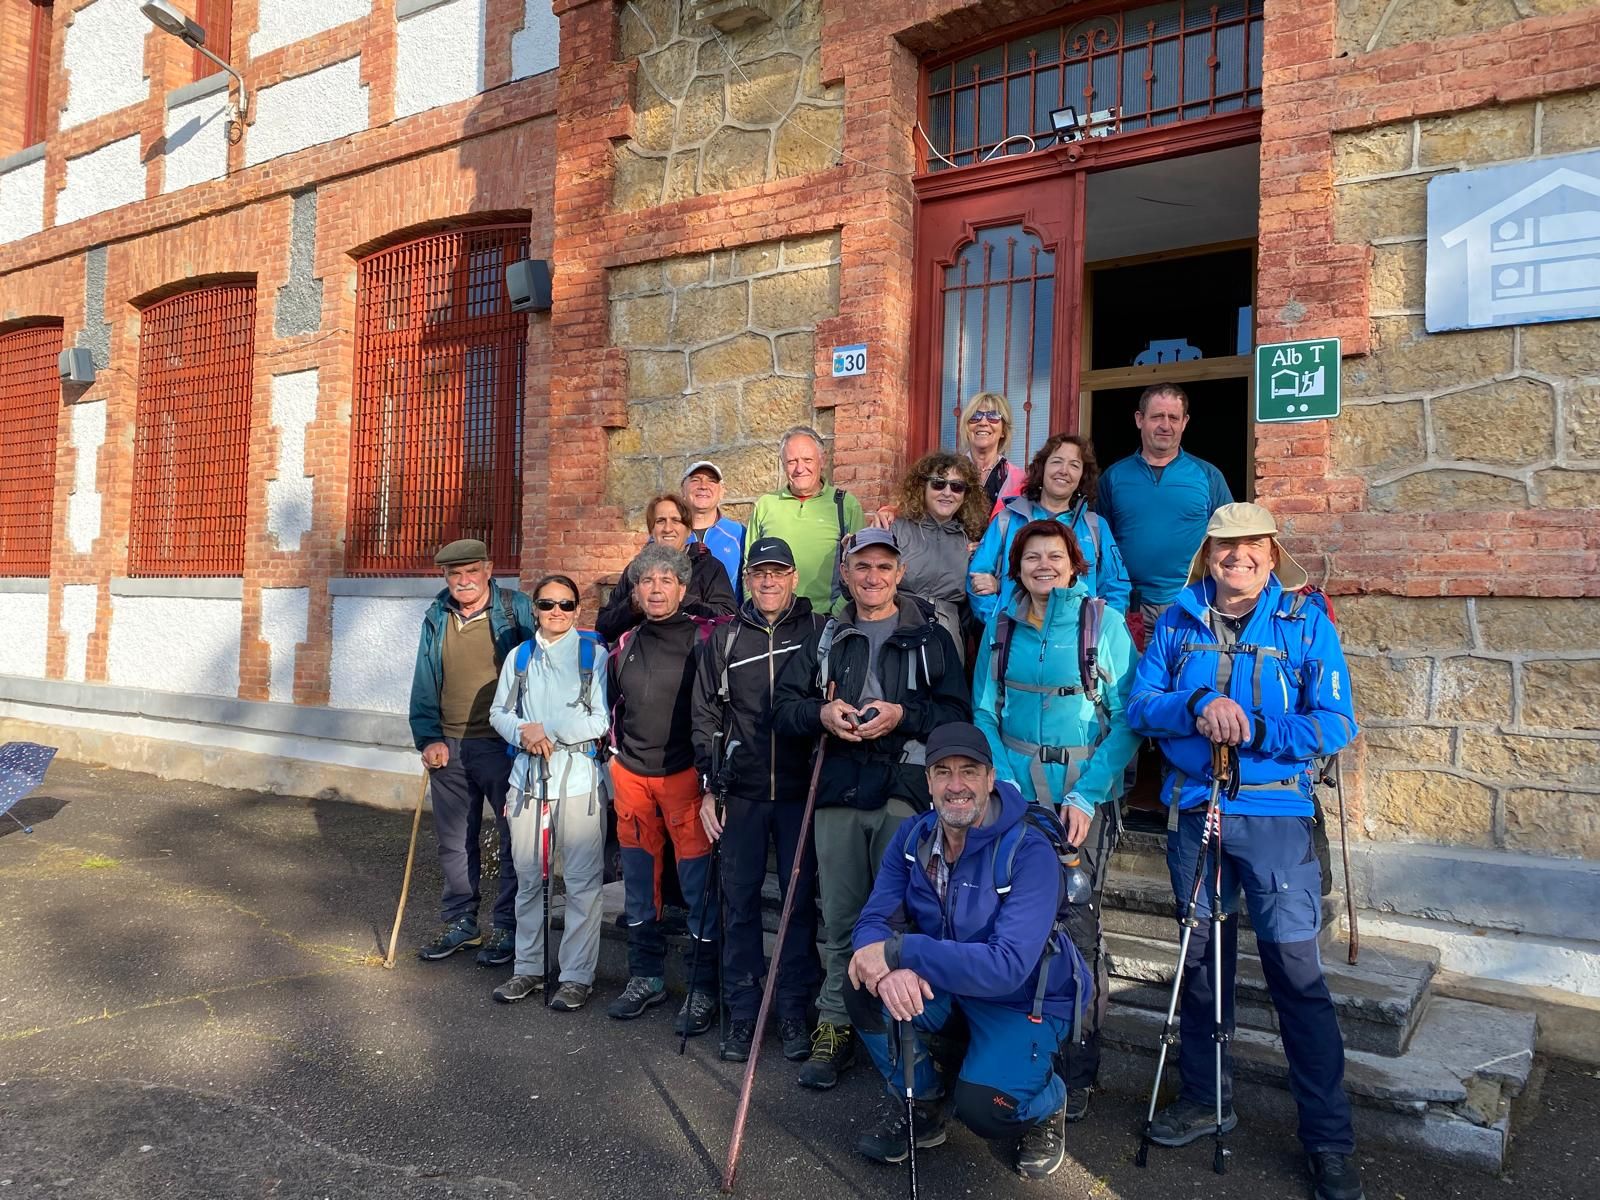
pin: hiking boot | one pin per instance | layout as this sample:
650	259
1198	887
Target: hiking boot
642	992
796	1039
499	948
570	997
698	1014
833	1049
1042	1149
1077	1104
518	987
1335	1175
1185	1121
736	1045
457	935
886	1141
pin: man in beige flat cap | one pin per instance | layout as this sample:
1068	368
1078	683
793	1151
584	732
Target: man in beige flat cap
466	634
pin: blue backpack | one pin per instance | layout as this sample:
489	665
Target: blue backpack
591	653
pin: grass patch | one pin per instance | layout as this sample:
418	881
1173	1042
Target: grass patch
98	862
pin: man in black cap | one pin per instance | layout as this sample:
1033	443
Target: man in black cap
753	785
944	931
897	677
466	634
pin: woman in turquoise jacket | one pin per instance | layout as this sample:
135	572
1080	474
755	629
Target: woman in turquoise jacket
1060	487
1058	745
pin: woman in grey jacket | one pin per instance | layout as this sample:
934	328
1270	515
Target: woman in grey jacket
942	513
551	707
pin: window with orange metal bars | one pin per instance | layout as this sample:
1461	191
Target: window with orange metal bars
436	426
191	438
30	413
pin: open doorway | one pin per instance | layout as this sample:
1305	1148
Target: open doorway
1169	251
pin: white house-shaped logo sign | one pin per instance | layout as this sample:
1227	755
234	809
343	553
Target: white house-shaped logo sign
1532	256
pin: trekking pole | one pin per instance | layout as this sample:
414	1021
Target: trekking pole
405	883
743	1111
908	1068
1224	768
1333	776
699	940
1189	923
547	836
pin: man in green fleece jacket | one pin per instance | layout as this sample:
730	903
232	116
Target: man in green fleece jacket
811	515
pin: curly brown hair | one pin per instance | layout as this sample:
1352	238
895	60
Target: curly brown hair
1088	486
974	511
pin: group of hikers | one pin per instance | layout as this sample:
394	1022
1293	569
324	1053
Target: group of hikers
967	664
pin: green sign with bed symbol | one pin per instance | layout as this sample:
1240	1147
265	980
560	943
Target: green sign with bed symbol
1297	381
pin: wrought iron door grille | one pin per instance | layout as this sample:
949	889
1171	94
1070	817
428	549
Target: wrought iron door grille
1155	65
436	437
30	413
191	439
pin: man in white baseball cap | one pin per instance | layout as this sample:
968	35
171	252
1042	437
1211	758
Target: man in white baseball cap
723	536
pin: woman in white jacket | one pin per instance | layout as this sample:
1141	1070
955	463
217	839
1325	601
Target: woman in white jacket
551	706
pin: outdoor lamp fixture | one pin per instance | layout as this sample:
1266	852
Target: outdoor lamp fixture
169	19
1065	122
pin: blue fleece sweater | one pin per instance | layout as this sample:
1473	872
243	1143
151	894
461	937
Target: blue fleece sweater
1160	521
975	942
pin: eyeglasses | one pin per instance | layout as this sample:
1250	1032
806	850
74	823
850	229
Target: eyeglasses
957	486
985	414
563	605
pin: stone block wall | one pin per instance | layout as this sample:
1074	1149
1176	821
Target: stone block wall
714	111
1482	720
719	363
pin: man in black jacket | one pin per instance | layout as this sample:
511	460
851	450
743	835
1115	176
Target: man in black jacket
754	788
708	593
898	677
656	790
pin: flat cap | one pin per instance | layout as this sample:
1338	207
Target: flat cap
462	550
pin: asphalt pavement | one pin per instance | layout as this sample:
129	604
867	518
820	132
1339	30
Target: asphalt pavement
192	1004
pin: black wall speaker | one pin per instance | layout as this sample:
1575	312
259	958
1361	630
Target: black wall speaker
528	283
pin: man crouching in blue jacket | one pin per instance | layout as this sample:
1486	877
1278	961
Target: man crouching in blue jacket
943	938
1241	660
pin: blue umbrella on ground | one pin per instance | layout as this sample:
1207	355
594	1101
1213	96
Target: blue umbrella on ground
22	768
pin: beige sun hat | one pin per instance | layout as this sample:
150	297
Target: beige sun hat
1249	520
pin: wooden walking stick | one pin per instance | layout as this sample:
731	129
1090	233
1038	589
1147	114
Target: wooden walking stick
405	883
743	1111
1335	776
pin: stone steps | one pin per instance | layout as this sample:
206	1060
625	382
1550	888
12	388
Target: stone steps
1140	904
1379	1002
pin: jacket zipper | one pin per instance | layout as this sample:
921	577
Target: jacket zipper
772	735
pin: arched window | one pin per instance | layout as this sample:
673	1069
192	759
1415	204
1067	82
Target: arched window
436	431
191	438
30	412
1134	69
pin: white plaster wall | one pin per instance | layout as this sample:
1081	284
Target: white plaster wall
536	46
280	22
175	644
104	60
308	110
1515	958
196	142
284	614
105	178
438	56
78	604
294	405
374	651
24	617
83	505
22	201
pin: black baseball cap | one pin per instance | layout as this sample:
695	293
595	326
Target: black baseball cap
770	550
958	738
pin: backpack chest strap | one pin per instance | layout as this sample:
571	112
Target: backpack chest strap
1261	654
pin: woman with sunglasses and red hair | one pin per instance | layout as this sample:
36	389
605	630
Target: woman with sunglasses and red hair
942	512
551	708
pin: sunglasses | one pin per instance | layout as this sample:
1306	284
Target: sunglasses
563	605
984	414
955	485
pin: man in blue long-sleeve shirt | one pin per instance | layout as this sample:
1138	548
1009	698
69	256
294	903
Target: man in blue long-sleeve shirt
1158	501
